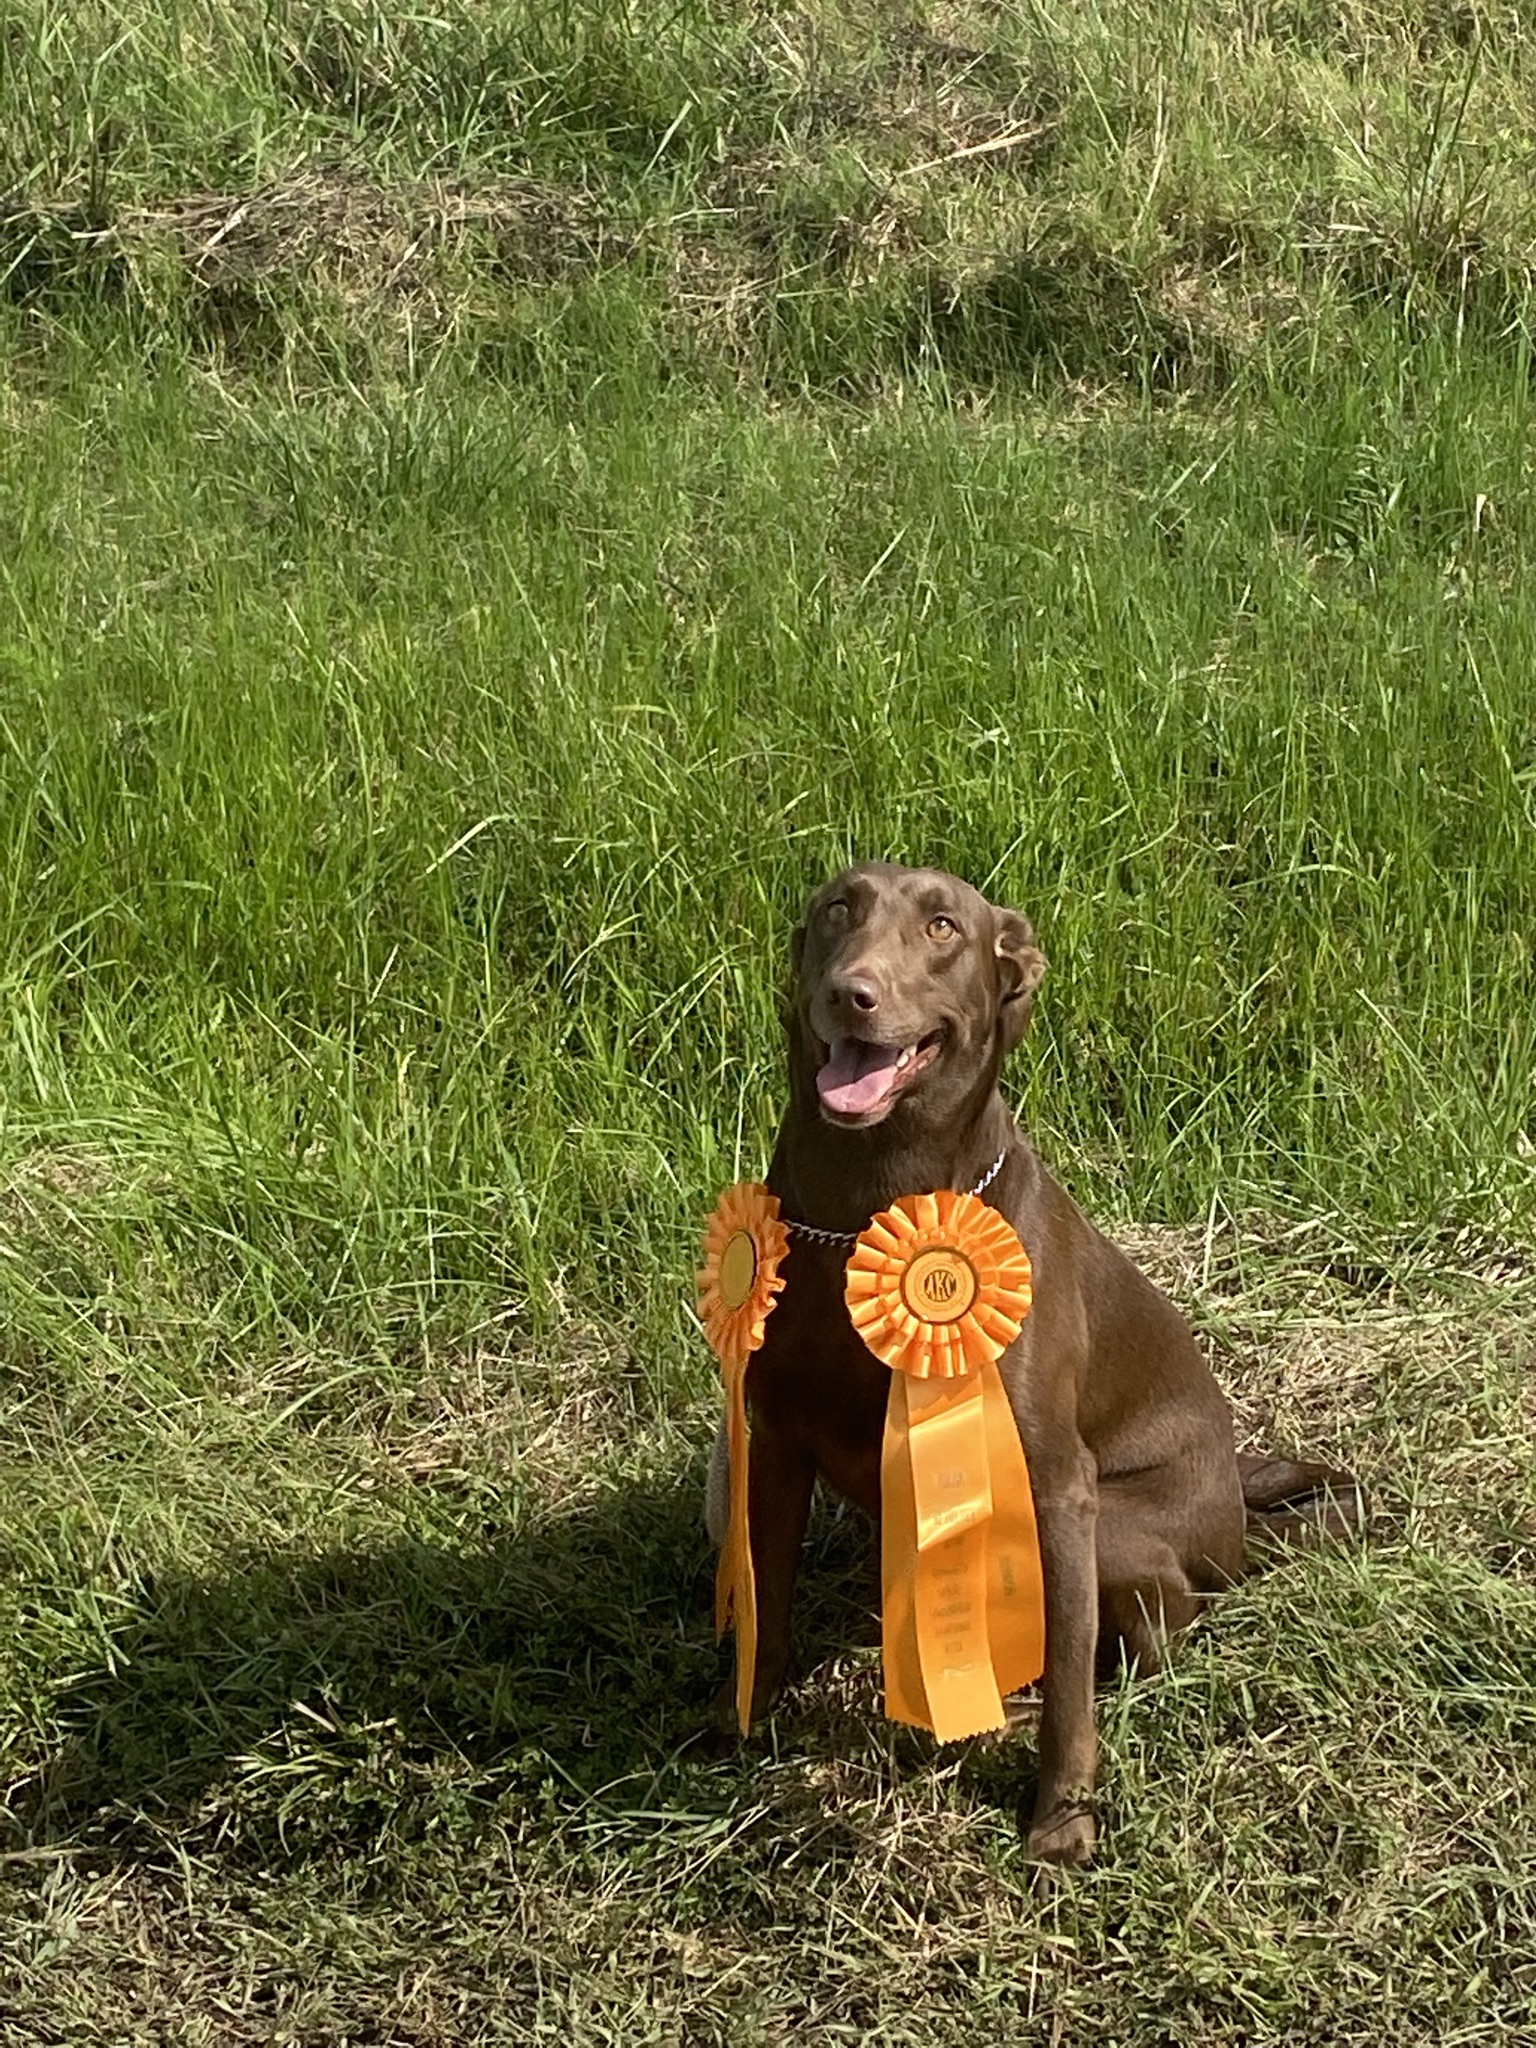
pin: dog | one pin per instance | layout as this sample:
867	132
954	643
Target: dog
909	991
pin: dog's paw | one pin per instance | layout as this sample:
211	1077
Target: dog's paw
712	1744
719	1735
1062	1839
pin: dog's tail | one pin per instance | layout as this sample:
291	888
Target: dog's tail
1291	1503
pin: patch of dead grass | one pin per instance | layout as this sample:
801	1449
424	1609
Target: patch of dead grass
385	240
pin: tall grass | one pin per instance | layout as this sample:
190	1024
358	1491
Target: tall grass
407	801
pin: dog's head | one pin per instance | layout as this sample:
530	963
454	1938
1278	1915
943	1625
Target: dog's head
909	989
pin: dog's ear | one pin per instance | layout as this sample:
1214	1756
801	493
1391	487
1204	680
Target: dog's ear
1020	970
789	1006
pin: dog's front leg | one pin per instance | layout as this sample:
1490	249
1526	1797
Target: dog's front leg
1062	1829
781	1478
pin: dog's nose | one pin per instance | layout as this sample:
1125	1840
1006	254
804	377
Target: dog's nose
855	992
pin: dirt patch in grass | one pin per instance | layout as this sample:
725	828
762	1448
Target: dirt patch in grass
368	237
412	246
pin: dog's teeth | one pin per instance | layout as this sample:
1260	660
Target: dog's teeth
906	1054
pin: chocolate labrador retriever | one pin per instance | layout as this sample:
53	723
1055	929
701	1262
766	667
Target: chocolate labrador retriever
910	989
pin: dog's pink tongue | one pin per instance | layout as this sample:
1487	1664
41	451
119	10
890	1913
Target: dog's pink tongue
858	1076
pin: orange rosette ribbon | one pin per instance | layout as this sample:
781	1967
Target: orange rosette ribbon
938	1287
744	1242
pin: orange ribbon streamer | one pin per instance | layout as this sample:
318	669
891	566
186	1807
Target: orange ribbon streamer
735	1583
939	1286
963	1601
744	1242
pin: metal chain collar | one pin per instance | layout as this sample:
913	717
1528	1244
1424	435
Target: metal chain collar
819	1236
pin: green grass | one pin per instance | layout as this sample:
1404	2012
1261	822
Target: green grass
493	506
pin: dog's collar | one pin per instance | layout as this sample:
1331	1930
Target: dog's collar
819	1236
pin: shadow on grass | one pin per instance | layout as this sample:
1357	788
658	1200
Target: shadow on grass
295	1703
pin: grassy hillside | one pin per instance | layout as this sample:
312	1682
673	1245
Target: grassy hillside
834	197
494	503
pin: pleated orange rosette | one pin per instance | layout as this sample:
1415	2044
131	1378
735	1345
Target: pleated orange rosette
938	1287
744	1242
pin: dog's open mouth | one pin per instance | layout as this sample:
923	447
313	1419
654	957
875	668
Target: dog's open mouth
860	1079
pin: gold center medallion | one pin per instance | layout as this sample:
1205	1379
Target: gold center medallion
939	1285
738	1268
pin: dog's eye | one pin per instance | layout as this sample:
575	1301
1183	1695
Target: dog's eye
835	913
942	928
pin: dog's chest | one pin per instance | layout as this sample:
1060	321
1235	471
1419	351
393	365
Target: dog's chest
815	1381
